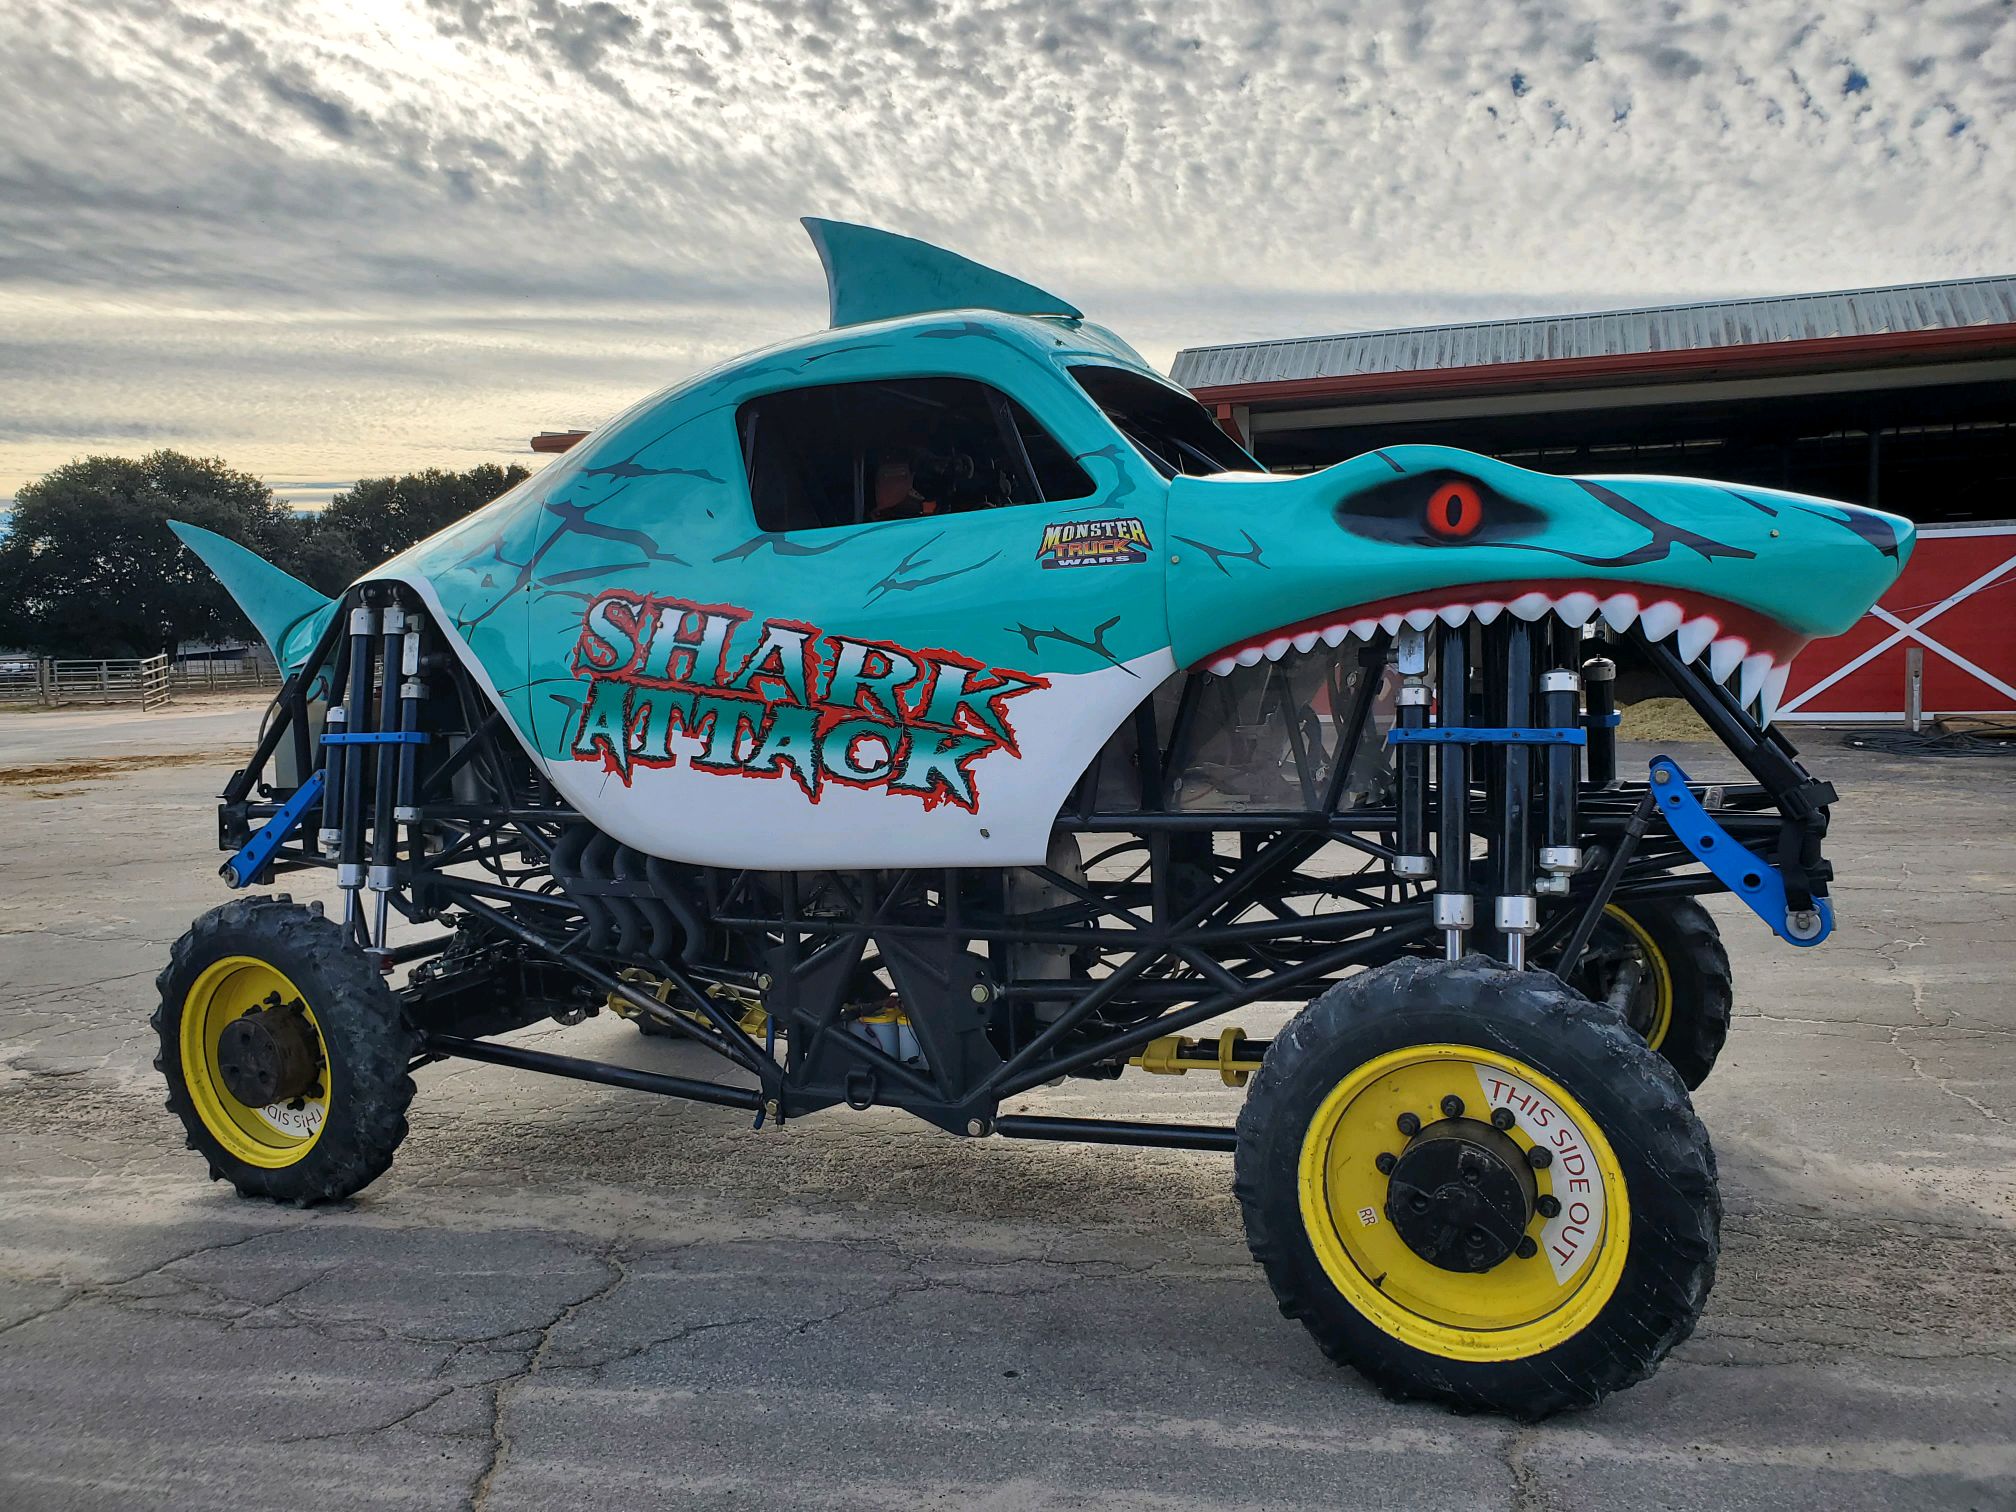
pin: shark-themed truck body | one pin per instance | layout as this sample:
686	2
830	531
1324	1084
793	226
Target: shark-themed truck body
941	705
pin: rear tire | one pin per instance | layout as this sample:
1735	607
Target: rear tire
332	1049
1660	962
1617	1274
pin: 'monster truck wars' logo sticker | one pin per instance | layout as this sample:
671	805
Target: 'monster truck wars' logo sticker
672	681
1093	543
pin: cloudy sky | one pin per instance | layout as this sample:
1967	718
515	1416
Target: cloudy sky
329	240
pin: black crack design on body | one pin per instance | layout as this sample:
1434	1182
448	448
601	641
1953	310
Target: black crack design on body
897	580
576	574
967	328
1664	536
1871	527
574	520
1220	555
859	346
1123	480
1096	645
784	546
629	468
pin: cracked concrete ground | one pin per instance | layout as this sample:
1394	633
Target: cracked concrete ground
565	1296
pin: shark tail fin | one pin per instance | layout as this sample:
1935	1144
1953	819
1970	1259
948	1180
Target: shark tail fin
276	602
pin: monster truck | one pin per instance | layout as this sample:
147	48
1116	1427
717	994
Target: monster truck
943	704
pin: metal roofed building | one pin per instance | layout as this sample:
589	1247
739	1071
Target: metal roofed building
1902	397
1784	388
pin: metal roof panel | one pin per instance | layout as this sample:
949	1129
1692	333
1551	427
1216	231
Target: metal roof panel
1949	305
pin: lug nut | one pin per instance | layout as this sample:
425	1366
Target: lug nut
1539	1157
1418	1202
1527	1248
1548	1207
1409	1125
1452	1106
1502	1118
1385	1163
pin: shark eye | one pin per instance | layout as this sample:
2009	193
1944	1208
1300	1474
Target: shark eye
1455	510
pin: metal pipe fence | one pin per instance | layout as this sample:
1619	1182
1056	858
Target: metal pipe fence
150	681
214	672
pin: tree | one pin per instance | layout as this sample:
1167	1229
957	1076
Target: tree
89	567
381	517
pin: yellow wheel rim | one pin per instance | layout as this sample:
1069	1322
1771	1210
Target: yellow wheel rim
270	1137
1661	974
1518	1308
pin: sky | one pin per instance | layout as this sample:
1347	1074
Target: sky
328	240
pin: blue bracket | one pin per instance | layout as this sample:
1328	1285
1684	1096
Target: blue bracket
378	737
1486	735
1751	879
252	858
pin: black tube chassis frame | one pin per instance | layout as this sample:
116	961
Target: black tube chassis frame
548	916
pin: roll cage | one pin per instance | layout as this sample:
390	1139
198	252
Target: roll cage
1154	915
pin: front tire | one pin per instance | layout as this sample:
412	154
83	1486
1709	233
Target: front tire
1387	1172
284	1051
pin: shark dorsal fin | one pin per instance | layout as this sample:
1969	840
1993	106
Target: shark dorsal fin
877	275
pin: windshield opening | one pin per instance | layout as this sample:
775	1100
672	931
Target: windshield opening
1171	430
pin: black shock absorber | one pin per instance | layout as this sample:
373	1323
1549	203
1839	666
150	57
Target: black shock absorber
1560	855
1516	915
1599	679
1455	909
412	689
357	706
335	720
1411	713
384	830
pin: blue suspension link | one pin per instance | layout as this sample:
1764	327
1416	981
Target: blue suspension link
256	852
1755	881
1488	735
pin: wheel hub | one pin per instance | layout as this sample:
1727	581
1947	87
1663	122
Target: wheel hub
1461	1195
268	1055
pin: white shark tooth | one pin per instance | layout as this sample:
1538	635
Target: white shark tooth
1336	635
1277	647
1575	608
1530	606
1724	655
1750	676
1420	619
1659	620
1364	628
1693	637
1390	623
1488	611
1248	657
1306	641
1222	667
1454	614
1619	610
1774	690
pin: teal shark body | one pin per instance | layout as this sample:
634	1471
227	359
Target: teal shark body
926	690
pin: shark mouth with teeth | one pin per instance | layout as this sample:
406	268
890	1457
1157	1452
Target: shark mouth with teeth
1729	640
